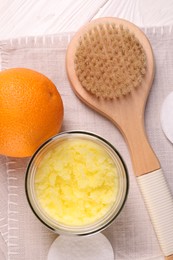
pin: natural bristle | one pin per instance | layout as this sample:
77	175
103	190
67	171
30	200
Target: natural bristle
110	61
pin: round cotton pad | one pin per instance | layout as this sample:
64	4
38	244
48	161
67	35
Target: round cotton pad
167	117
81	248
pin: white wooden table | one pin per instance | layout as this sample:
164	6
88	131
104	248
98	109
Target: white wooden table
31	17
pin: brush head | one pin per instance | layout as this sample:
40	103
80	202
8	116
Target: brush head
110	66
109	60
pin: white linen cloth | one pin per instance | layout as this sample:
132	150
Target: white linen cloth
131	234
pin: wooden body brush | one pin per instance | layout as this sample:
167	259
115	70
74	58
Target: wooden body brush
111	68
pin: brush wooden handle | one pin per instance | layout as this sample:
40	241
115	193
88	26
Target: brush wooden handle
169	257
144	159
153	185
159	203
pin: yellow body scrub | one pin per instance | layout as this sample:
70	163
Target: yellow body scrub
76	182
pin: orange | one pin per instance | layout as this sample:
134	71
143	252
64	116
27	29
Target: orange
31	111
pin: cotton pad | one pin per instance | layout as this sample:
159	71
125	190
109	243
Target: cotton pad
81	248
167	117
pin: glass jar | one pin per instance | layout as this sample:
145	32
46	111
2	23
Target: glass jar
85	229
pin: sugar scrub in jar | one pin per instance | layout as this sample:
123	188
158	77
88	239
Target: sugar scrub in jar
76	183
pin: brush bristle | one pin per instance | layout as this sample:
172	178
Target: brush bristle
110	61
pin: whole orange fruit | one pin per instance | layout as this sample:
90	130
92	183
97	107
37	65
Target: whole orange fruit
31	111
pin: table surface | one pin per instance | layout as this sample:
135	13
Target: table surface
30	17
